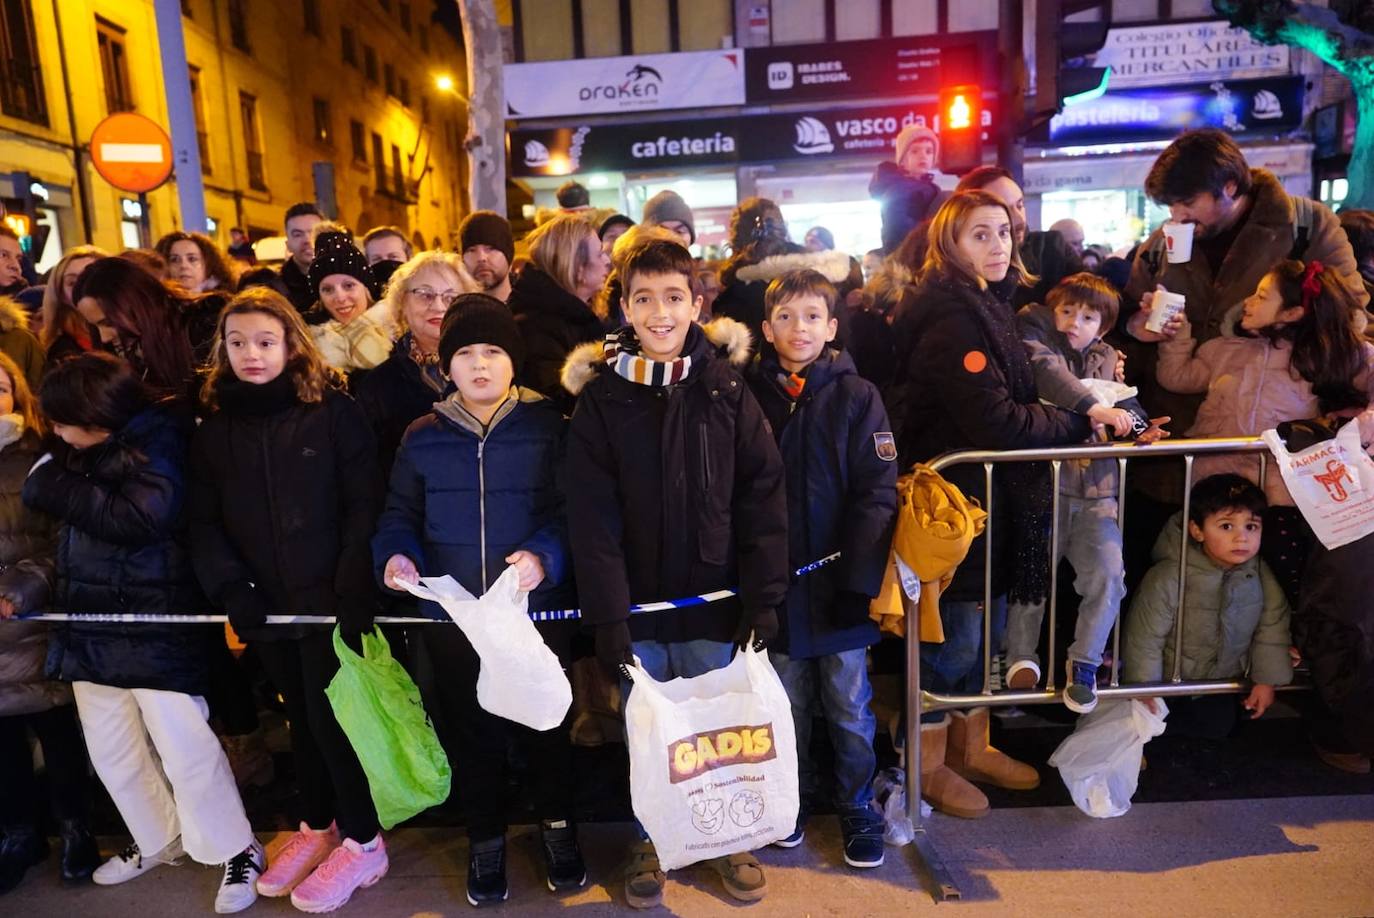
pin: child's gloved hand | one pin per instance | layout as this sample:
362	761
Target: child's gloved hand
245	606
1154	433
763	624
530	568
613	646
1259	700
398	568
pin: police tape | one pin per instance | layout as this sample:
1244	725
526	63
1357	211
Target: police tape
546	615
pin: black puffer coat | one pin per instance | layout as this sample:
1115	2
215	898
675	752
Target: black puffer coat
284	498
121	548
553	322
675	492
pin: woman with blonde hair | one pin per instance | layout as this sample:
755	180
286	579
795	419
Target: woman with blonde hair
284	496
969	386
550	300
406	385
63	332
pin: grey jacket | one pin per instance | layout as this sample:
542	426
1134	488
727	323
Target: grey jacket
1058	367
1236	621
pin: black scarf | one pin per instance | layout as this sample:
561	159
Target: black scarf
256	399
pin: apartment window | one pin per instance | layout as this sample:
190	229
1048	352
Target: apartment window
424	38
397	179
350	46
21	82
311	8
114	66
238	25
369	63
389	79
378	163
252	141
359	141
198	108
403	12
324	134
405	92
186	9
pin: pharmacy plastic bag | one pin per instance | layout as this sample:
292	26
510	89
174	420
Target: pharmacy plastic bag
520	678
1100	761
1332	483
379	709
713	760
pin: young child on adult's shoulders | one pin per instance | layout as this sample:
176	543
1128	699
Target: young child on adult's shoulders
1064	339
679	493
840	463
474	489
1235	617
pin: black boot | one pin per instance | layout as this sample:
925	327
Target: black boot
21	848
80	853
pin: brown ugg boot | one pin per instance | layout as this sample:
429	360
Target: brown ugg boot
942	788
973	758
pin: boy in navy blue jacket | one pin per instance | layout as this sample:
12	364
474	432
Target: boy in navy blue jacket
474	488
839	459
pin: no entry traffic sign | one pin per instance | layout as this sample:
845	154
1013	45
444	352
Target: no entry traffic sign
131	152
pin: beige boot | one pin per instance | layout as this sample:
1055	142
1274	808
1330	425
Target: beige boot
973	758
942	788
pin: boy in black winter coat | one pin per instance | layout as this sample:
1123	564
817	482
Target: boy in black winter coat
679	492
841	469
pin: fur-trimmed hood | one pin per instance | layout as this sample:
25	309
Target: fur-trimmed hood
12	315
834	265
729	337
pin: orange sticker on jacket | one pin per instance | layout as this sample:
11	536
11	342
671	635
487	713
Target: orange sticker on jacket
975	361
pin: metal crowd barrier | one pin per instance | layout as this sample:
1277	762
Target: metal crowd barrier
919	701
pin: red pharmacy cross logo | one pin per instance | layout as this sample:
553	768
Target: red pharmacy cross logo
1334	479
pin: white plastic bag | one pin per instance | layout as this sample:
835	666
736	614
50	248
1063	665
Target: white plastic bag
713	760
1100	761
1109	392
1332	483
520	677
889	793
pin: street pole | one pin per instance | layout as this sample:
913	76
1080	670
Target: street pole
486	138
78	156
176	77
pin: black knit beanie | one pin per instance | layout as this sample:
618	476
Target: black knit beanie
336	254
487	227
475	318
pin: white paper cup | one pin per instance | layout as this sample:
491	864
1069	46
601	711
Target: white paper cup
1164	307
1178	241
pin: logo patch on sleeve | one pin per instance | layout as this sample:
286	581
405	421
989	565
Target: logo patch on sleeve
975	361
885	446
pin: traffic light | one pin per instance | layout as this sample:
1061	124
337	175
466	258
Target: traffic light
1063	71
961	129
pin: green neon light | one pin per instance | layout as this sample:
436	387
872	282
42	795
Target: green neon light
1094	93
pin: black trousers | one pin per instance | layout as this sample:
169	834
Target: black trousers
476	743
1204	716
64	755
1285	545
331	782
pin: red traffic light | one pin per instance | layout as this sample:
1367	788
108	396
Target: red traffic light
961	129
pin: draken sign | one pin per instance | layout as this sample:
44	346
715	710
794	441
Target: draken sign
1190	52
646	82
722	141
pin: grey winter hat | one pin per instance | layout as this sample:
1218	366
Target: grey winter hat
668	205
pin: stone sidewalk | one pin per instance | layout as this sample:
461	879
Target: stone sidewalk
1253	858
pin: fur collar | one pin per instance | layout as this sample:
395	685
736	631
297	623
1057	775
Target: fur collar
834	265
727	335
12	315
1270	205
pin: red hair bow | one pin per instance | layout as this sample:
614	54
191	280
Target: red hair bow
1311	285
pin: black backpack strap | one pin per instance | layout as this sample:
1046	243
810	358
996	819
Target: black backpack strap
1302	227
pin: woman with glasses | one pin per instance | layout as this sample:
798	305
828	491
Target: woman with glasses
407	384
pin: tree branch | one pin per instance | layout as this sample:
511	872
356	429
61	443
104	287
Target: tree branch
1308	26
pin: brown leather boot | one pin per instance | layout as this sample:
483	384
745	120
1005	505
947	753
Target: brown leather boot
942	788
973	758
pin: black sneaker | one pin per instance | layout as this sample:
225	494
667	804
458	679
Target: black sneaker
487	872
563	864
798	833
21	847
1080	696
863	837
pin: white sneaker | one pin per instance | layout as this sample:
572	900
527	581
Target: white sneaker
130	863
239	888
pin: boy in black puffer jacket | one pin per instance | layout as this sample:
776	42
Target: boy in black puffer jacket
841	463
679	493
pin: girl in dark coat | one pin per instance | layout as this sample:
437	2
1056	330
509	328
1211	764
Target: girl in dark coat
28	700
284	495
118	489
474	490
970	386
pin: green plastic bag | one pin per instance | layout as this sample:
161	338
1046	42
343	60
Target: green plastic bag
379	708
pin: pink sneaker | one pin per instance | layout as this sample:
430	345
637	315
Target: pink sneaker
347	868
296	859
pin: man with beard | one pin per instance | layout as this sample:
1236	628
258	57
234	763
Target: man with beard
488	247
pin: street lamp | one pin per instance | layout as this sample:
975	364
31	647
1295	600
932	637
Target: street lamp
443	83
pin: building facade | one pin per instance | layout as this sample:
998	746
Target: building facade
293	99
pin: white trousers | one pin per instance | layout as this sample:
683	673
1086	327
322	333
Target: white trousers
165	770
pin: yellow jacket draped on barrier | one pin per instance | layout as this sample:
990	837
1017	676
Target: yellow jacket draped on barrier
936	524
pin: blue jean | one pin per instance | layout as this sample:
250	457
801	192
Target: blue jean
835	685
956	665
1091	539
